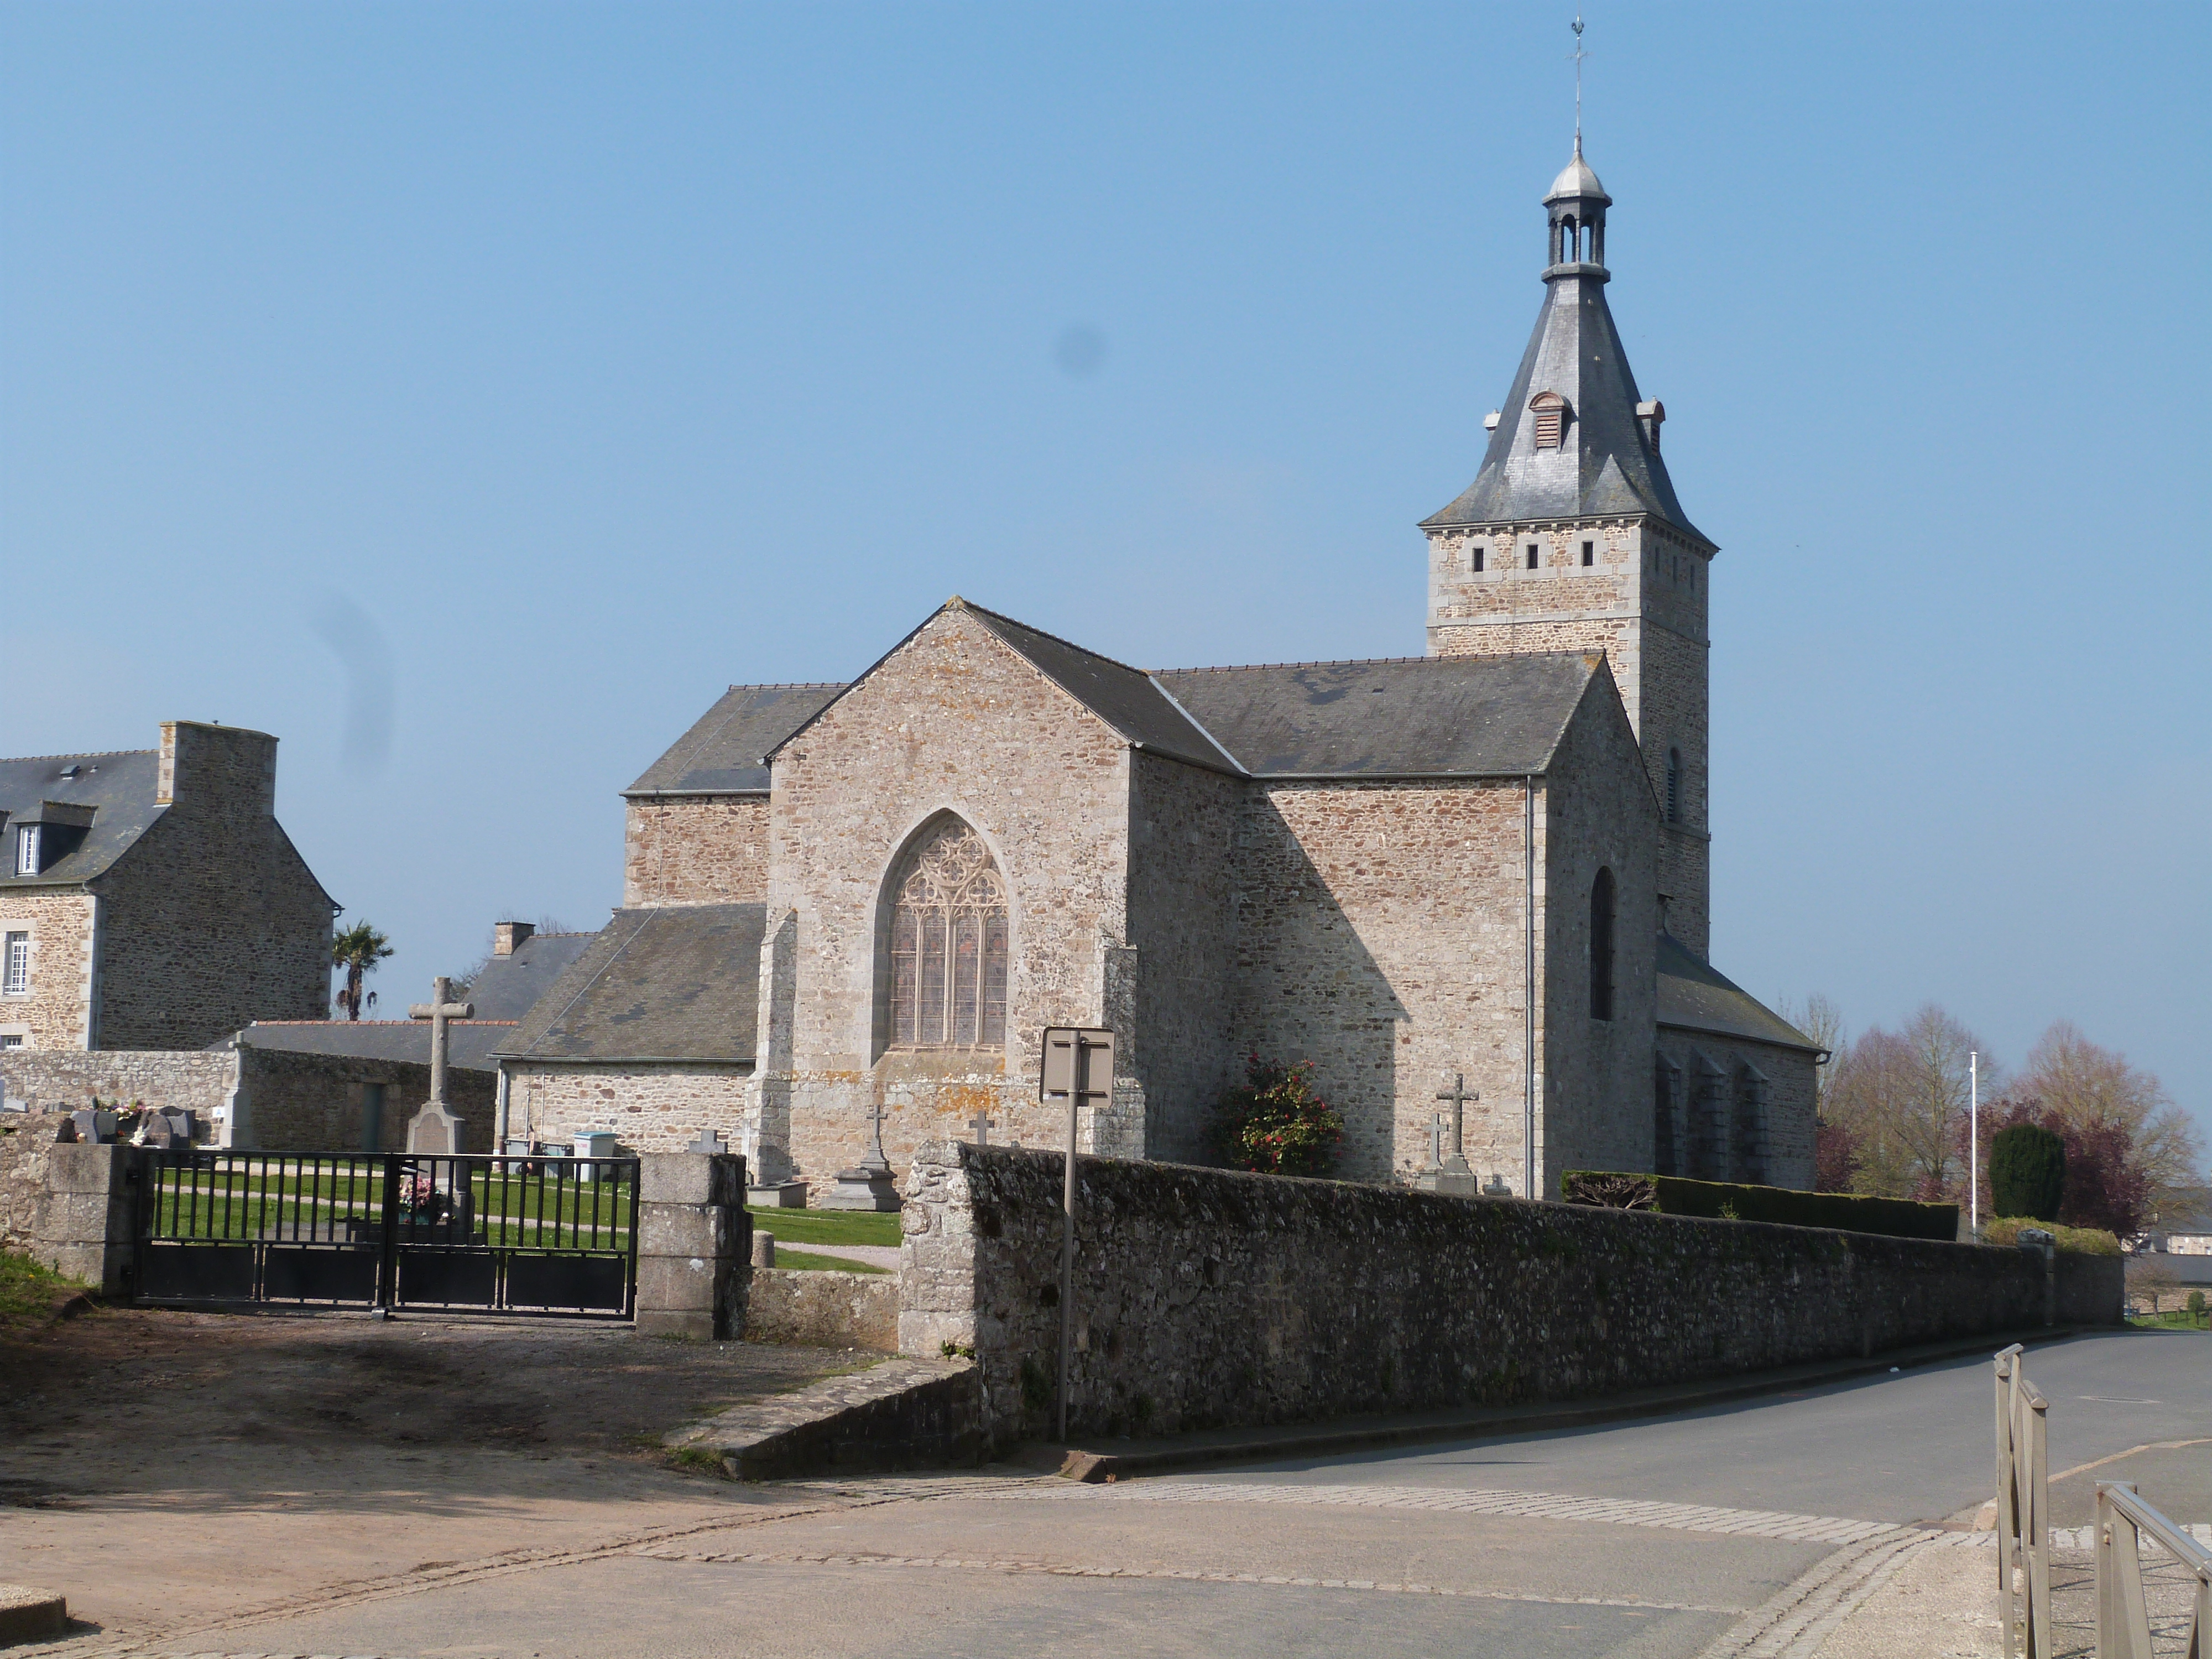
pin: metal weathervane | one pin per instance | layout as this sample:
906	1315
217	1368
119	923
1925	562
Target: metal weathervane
1578	54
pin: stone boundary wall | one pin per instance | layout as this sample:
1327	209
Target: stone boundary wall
824	1309
1206	1298
312	1103
195	1080
67	1205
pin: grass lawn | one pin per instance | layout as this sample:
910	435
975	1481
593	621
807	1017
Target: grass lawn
826	1226
29	1292
807	1261
2174	1319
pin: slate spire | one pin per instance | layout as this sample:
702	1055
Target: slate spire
1574	440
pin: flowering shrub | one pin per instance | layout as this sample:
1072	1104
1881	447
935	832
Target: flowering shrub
1274	1124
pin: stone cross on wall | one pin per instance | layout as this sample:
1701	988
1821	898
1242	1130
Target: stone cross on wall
1448	1171
435	1129
981	1124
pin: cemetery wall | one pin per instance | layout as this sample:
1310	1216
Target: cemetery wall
196	1080
705	850
65	1206
822	1309
1213	1298
291	1102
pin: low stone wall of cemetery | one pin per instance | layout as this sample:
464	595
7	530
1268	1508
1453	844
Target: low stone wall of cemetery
191	1079
1206	1298
293	1102
65	1204
824	1309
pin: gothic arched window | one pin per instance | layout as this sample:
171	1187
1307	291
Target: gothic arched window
948	944
1601	946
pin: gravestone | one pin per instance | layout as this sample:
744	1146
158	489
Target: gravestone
168	1131
869	1184
1449	1173
95	1125
434	1132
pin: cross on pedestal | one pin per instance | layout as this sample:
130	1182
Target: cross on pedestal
981	1124
1458	1095
440	1008
875	1159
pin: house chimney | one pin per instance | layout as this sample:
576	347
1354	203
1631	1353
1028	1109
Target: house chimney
506	935
217	769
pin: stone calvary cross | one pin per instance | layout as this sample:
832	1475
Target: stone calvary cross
435	1129
1449	1173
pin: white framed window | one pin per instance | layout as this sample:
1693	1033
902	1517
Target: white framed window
26	850
16	964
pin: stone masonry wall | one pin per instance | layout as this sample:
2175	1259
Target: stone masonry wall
951	722
211	920
1208	1298
696	850
1183	878
318	1102
651	1109
1785	1150
55	1013
1380	935
198	1080
1597	1071
68	1207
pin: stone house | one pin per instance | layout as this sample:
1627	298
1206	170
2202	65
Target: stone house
150	900
1489	863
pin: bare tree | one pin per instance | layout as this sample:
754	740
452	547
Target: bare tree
1903	1097
2086	1087
1822	1021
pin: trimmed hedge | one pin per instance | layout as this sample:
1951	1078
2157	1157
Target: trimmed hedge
1850	1213
2084	1241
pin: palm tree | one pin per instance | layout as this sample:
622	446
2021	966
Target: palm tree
357	949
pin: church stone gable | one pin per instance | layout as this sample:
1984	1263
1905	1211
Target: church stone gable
1598	1072
705	851
952	722
1380	936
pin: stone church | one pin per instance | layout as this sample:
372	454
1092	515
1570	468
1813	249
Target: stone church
1490	862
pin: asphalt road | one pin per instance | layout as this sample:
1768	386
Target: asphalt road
1651	1539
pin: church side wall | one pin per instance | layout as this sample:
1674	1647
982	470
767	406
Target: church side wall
1723	1136
53	1015
1598	1073
1182	926
702	850
1379	934
650	1109
211	921
952	722
1676	693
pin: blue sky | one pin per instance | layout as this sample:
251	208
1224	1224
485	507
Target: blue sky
467	394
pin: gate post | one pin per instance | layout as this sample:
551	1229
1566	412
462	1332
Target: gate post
85	1222
694	1245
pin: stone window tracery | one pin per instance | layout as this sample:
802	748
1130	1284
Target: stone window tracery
948	944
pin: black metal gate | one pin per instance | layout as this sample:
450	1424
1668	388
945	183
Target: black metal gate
459	1234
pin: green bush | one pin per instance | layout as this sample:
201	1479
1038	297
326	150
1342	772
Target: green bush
2082	1241
2197	1304
2027	1172
1850	1213
1274	1124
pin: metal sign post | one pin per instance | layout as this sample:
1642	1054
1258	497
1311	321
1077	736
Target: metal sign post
1077	1066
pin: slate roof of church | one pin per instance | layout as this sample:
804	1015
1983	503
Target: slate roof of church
469	1043
1397	717
117	786
1607	467
721	754
675	983
1695	996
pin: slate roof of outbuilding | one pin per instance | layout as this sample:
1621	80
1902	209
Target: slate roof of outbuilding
1399	717
722	753
678	983
117	786
468	1042
508	986
1695	996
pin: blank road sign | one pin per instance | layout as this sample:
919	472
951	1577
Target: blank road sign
1058	1078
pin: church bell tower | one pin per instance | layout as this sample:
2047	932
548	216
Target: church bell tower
1571	539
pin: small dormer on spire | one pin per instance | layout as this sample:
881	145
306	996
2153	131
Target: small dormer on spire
1576	202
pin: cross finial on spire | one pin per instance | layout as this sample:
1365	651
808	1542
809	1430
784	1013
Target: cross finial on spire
1578	54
